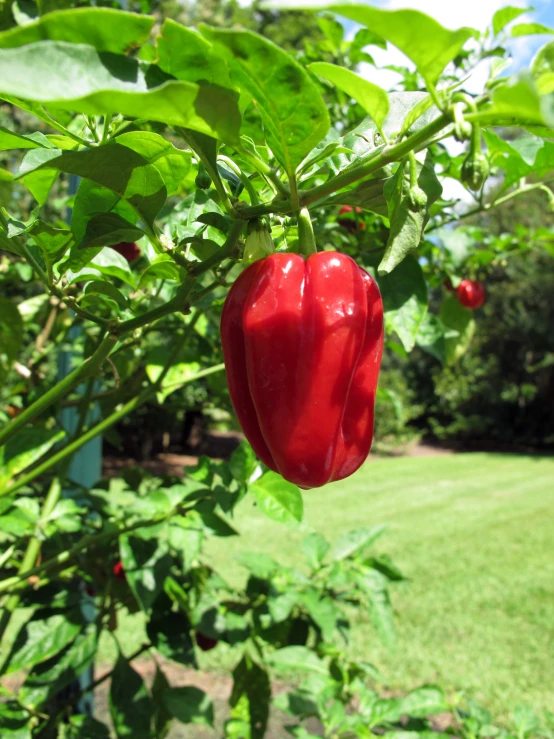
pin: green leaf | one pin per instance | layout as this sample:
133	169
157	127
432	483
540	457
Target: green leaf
243	462
406	222
404	293
458	244
11	335
294	115
91	200
162	268
424	701
146	565
95	288
519	101
332	30
23	450
185	54
382	615
41	639
530	29
170	634
542	67
460	327
86	727
162	717
172	163
322	611
113	166
189	705
428	44
415	109
178	374
373	99
355	541
431	337
504	16
259	564
185	536
131	708
15	722
104	28
314	548
49	678
39	183
251	696
108	262
299	659
11	140
77	77
29	308
105	229
278	499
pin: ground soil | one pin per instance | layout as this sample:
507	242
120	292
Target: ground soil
220	445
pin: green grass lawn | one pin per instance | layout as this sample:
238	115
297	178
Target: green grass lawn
474	533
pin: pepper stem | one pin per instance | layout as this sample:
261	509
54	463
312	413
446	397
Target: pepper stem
306	236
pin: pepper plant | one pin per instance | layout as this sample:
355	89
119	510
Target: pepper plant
210	148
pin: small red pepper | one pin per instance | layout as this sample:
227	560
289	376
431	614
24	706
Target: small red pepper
302	342
205	643
119	571
128	250
471	294
350	222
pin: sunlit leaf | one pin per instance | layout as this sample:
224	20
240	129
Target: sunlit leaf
106	29
372	98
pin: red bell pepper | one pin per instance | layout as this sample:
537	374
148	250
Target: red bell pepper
128	250
471	294
302	342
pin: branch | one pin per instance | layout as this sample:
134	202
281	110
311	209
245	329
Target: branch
88	368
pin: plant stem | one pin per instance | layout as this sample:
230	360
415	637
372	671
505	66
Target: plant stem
106	128
106	423
493	204
379	159
87	369
62	129
306	237
179	302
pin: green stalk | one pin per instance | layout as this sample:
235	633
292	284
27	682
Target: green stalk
106	423
386	155
179	302
306	236
226	251
89	368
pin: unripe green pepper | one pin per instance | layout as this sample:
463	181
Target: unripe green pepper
417	199
203	180
475	170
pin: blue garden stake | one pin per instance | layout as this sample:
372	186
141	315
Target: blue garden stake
85	470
